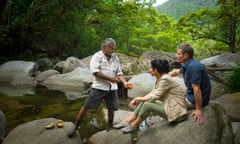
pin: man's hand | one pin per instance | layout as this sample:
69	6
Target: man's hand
111	79
128	85
174	73
198	116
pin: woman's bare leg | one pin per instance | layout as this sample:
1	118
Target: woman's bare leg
130	118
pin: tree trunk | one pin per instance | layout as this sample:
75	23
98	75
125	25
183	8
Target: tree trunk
233	28
4	10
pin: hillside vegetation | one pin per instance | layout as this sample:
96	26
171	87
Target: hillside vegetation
177	8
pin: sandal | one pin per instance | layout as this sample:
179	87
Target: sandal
129	129
120	125
59	124
49	125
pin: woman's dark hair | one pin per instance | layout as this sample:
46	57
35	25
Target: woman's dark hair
161	65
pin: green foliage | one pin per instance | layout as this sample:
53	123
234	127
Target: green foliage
63	28
232	77
40	28
206	47
206	24
228	16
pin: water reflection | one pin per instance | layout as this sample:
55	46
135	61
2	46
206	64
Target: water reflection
9	90
15	91
71	93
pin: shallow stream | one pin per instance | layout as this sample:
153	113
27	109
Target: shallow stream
22	105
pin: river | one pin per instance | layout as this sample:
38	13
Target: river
21	105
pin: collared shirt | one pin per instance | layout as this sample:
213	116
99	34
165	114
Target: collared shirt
99	63
195	72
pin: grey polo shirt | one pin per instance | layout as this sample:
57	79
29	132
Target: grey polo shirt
110	68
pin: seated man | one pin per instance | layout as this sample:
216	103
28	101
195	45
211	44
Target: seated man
196	80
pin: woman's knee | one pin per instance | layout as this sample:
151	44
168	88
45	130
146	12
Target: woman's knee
146	105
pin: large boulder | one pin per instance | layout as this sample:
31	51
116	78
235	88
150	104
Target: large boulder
110	137
219	64
216	129
44	75
143	83
218	89
69	64
134	65
34	132
130	65
17	72
17	78
74	84
119	116
222	60
22	80
231	103
148	56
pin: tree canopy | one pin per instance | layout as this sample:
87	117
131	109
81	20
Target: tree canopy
58	28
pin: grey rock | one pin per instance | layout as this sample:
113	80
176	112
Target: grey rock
11	69
110	137
222	60
216	129
231	103
3	126
34	132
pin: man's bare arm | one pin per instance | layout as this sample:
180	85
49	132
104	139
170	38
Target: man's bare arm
198	113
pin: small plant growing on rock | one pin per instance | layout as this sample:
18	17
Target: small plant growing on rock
232	77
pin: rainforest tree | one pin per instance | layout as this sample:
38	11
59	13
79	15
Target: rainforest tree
220	26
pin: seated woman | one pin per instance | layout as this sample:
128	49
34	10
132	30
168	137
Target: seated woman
167	99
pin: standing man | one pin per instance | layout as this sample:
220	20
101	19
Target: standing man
196	80
105	67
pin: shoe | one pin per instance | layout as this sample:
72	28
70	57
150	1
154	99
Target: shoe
109	127
129	129
120	125
71	132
